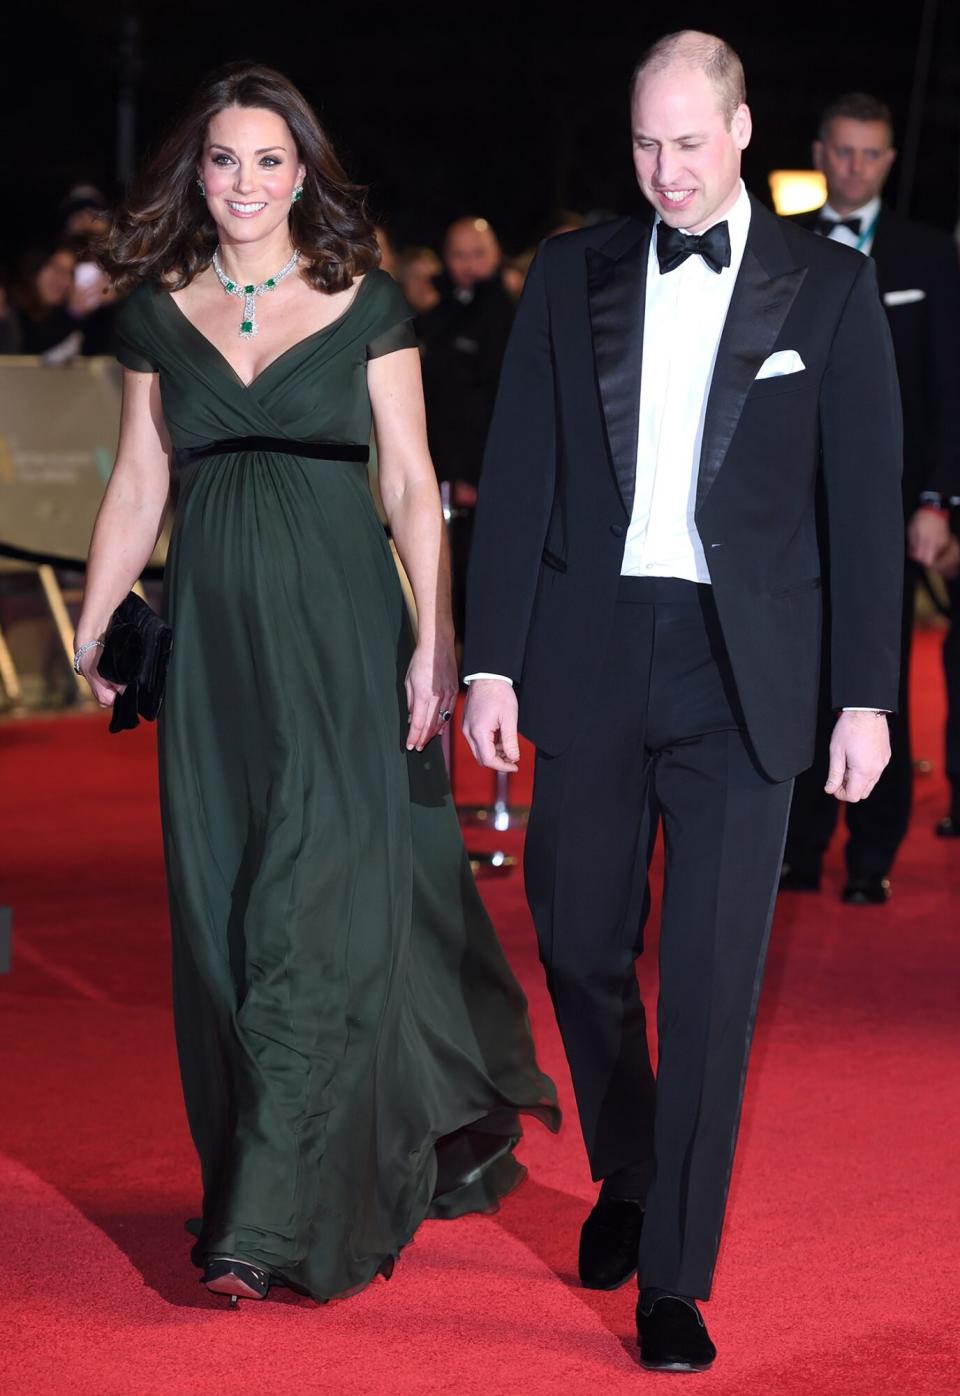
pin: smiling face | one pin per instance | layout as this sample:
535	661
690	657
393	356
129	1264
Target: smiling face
250	169
685	152
856	157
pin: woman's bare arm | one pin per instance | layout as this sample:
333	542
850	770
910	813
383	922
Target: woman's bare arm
411	500
130	517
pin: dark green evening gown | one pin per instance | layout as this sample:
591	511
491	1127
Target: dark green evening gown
353	1046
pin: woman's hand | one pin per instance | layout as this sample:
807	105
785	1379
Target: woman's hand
432	686
102	689
411	500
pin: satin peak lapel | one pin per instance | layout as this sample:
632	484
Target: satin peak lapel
758	308
616	286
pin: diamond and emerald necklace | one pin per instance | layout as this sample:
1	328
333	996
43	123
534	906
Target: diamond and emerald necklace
248	325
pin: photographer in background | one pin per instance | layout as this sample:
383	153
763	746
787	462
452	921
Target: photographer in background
85	220
38	320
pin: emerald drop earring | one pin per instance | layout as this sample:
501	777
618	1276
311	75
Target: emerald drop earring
297	194
202	187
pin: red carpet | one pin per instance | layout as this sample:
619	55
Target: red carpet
839	1272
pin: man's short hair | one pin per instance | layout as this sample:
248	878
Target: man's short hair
856	106
691	49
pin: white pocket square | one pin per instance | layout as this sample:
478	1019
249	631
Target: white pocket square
784	361
903	297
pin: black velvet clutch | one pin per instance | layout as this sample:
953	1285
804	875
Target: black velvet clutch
136	651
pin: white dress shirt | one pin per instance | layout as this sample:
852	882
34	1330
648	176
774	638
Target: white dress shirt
868	216
684	315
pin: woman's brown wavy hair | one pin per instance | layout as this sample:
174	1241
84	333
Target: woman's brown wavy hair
163	229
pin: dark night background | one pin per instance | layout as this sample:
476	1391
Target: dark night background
510	112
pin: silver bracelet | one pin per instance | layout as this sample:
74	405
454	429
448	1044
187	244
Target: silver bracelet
91	644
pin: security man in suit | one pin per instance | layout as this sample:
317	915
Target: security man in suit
919	279
462	341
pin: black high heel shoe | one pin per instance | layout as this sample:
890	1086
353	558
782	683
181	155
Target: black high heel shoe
238	1279
227	1274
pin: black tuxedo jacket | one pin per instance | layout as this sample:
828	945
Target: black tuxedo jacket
559	472
918	273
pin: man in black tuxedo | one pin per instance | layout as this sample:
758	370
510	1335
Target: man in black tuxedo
646	581
919	279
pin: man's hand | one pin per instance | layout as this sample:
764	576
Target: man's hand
859	751
490	724
928	535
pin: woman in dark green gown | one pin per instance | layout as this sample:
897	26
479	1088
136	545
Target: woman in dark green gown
353	1046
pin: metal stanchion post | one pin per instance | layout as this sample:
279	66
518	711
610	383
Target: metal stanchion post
483	863
501	815
505	815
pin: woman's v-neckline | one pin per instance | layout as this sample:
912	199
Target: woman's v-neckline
291	348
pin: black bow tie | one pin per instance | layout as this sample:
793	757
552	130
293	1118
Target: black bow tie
674	247
825	226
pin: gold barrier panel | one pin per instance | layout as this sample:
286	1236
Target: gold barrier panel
58	437
56	421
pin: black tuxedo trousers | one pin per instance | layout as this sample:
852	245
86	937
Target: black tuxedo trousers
662	742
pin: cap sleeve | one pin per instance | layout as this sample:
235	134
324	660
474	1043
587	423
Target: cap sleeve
132	340
391	328
397	337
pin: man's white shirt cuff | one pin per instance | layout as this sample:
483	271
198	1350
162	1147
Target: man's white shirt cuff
469	678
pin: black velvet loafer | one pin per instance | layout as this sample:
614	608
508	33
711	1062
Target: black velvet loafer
671	1334
866	891
609	1243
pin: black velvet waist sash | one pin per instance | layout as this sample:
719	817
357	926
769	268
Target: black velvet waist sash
278	445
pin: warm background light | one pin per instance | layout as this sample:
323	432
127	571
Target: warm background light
797	191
